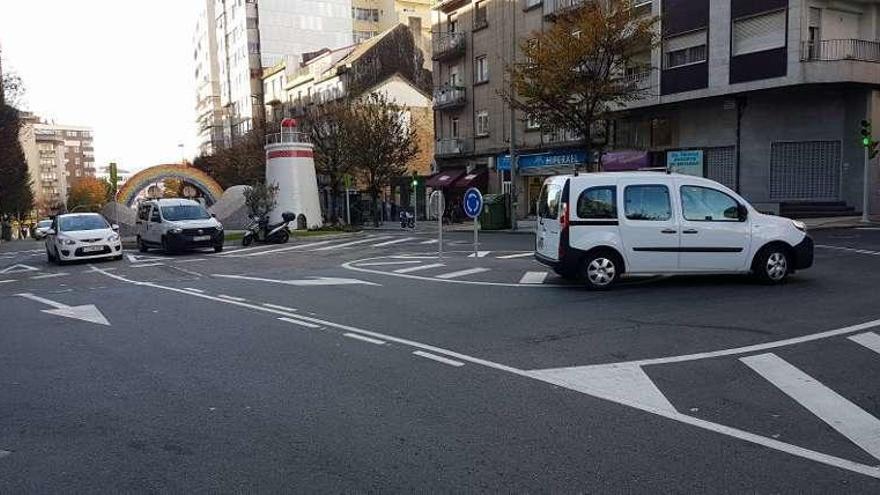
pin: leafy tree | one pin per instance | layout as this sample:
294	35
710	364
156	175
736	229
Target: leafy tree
260	198
242	163
380	143
327	127
577	72
16	195
87	194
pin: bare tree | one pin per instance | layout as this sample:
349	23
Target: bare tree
327	127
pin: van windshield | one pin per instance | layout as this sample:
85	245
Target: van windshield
184	212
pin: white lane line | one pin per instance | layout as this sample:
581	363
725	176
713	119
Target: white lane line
192	260
514	256
232	298
145	265
439	359
300	323
282	308
830	460
365	339
533	278
432	241
395	241
386	263
200	291
849	250
851	421
239	250
418	268
870	340
479	254
353	243
462	273
49	275
8	281
285	249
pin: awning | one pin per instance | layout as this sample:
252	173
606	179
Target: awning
445	178
478	179
619	161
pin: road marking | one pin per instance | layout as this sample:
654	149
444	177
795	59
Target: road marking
232	298
439	359
870	340
386	263
300	323
4	453
396	241
85	312
849	250
851	421
200	291
140	258
419	268
514	256
353	243
285	249
8	281
365	339
315	282
354	266
479	254
49	275
192	260
282	308
18	268
462	273
147	265
533	278
239	250
855	467
432	241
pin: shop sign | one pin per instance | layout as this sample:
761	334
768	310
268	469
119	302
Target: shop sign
688	162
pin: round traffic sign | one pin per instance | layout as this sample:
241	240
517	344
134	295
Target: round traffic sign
473	202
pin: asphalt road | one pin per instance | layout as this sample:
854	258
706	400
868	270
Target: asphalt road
366	363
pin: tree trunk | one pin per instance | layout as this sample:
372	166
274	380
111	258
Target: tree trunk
374	198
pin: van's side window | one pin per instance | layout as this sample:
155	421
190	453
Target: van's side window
154	216
598	202
703	204
647	203
548	204
143	212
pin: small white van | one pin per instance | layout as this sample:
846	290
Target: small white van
176	225
597	227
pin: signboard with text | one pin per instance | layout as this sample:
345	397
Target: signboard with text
689	162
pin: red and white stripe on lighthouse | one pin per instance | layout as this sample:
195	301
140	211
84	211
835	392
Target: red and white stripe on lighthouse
290	165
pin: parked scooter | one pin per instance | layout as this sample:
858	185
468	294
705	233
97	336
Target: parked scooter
259	230
407	220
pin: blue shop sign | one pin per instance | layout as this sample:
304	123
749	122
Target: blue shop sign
688	162
548	159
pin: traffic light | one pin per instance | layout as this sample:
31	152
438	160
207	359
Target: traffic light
415	181
866	133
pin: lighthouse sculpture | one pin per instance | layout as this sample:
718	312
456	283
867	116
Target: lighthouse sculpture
290	165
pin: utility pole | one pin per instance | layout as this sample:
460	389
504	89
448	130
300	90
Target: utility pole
513	160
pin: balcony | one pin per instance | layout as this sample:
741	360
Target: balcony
448	97
836	50
450	147
448	45
553	8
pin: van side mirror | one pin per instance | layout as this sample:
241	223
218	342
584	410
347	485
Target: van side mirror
743	213
50	231
115	227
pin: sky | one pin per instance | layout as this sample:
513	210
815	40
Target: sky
123	67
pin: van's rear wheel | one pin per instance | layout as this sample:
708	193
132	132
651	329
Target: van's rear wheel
601	270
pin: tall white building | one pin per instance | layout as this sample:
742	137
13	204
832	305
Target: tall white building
250	35
209	115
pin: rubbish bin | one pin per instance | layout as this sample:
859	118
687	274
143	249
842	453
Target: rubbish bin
494	215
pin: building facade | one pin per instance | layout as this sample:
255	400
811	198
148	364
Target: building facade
765	97
371	17
209	112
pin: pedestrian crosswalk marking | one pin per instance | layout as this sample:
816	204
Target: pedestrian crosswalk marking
848	419
514	256
533	278
870	340
353	243
419	268
462	273
395	241
479	254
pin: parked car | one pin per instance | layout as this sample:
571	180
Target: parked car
597	227
40	229
82	236
177	224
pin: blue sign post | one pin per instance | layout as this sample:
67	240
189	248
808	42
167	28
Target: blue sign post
473	206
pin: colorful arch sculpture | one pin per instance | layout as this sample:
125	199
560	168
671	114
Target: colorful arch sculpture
143	179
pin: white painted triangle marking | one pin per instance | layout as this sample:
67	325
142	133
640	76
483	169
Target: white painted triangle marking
624	383
141	258
869	340
479	254
86	312
19	268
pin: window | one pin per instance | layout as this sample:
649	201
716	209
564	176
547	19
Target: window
455	128
154	215
452	24
360	14
685	49
527	4
532	123
481	69
647	203
483	123
480	18
598	202
758	33
702	204
548	203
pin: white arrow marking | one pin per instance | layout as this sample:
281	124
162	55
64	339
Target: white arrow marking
86	312
19	268
316	282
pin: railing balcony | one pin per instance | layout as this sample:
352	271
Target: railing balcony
287	137
448	45
638	78
449	97
447	147
845	49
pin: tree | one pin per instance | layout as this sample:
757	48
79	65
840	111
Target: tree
326	125
16	195
242	163
260	198
87	194
579	71
380	142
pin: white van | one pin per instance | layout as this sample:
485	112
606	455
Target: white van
596	227
177	224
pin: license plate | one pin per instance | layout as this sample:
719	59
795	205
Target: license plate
200	238
93	249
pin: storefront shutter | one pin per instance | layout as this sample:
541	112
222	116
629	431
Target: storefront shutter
759	33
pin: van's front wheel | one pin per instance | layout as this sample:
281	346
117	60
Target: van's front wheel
772	265
600	271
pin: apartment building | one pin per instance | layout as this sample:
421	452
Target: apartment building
766	97
209	112
371	17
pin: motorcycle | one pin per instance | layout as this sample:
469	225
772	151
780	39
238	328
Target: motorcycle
259	230
407	220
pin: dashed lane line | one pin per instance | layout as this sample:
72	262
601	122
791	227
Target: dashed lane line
439	359
8	281
282	308
231	298
353	243
849	250
395	241
419	268
299	322
199	291
517	255
462	273
364	339
147	265
533	278
49	275
431	241
284	249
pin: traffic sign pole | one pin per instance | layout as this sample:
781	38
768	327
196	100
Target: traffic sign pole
473	206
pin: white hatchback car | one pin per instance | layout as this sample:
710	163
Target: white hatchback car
596	227
82	236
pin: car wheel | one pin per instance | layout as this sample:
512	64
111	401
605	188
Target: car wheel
141	246
772	265
283	237
218	248
601	270
117	258
49	256
247	240
166	248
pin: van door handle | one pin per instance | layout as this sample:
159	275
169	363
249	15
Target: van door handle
668	231
690	231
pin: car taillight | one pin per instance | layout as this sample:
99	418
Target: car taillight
563	222
563	230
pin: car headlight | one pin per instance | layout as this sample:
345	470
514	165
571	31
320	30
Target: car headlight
175	231
113	238
67	242
799	225
219	227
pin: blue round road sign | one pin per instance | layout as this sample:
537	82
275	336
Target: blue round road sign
473	202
